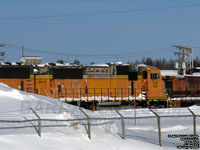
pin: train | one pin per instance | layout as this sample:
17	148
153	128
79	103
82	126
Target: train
96	85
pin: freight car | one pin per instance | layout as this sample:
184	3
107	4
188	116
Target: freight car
97	84
184	89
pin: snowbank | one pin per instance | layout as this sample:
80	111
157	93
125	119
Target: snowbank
73	135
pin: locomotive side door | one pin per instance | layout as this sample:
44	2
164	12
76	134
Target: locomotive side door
168	87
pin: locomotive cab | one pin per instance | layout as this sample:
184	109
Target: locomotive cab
152	83
149	80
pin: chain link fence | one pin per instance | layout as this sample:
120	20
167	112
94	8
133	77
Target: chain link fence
155	126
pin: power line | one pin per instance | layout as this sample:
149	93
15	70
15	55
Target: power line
119	55
100	13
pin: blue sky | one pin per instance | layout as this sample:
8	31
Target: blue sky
113	33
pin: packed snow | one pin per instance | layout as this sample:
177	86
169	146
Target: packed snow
169	73
105	134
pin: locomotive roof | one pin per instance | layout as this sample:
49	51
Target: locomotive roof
97	65
150	67
58	65
141	65
13	64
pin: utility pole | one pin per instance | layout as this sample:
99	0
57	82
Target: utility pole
185	58
22	51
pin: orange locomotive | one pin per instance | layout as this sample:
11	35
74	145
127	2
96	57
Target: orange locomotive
17	76
114	82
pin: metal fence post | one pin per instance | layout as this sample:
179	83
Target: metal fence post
123	125
159	129
89	125
39	121
194	120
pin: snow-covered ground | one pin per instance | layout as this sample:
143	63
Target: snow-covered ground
106	134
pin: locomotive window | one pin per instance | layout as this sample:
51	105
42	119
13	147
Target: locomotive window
144	74
155	76
151	75
158	76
